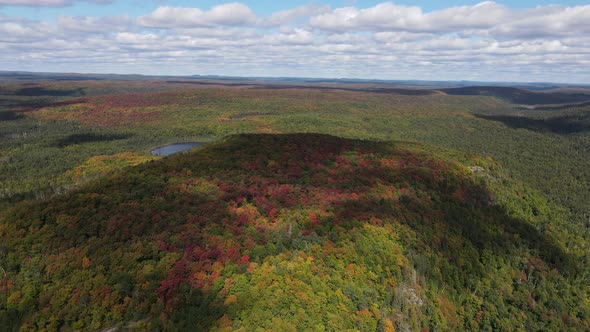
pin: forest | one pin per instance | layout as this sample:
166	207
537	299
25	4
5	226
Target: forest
314	206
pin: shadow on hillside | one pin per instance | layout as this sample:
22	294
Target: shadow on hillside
31	105
562	125
41	78
13	103
198	311
41	91
485	225
88	138
519	96
9	116
484	228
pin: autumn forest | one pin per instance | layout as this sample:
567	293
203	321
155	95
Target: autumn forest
306	206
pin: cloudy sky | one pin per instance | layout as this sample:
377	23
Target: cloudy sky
512	40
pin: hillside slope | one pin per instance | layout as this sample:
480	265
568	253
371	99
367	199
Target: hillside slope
285	233
519	96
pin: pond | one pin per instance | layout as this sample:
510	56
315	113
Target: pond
174	148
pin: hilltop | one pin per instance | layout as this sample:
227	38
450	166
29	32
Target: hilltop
287	232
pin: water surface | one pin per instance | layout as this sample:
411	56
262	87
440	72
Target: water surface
174	148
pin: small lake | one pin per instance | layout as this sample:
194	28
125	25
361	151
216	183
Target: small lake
174	148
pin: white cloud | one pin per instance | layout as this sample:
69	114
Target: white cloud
136	38
297	14
487	41
22	32
548	21
391	17
228	14
385	16
218	32
294	37
90	24
484	15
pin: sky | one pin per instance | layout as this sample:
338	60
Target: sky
516	40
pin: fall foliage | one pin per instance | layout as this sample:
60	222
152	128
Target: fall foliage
285	232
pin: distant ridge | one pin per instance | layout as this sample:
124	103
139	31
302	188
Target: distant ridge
16	76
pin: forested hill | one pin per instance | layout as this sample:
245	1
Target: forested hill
287	233
520	96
